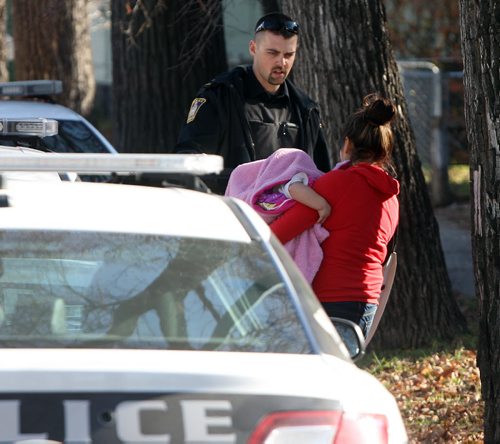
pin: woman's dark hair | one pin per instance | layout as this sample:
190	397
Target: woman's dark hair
369	131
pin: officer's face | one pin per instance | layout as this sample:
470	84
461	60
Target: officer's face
273	58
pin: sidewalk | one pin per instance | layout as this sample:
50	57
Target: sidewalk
454	227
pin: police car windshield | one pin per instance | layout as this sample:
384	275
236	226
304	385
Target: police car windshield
74	137
109	290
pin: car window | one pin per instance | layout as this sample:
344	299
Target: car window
112	290
74	137
313	312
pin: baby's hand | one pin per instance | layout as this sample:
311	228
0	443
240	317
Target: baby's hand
324	212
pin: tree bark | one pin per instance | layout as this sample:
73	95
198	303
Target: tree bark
163	52
57	46
480	28
4	74
345	54
270	6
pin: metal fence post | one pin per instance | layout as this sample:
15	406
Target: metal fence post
422	82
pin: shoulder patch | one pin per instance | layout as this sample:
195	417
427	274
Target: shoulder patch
195	107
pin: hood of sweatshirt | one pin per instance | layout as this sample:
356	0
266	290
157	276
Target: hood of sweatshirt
377	178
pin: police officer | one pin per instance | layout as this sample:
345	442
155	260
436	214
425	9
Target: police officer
247	113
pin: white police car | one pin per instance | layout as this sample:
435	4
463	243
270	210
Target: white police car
75	134
134	314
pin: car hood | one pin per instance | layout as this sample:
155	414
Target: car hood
123	203
26	109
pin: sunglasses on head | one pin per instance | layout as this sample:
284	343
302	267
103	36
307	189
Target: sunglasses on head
278	25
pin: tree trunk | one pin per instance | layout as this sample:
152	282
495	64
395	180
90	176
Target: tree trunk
52	41
345	54
163	52
480	27
270	6
4	74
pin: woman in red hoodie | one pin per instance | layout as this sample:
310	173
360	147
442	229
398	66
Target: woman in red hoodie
364	215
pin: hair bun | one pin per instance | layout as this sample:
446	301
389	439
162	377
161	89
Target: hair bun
378	110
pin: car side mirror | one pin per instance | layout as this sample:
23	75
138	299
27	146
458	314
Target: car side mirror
352	336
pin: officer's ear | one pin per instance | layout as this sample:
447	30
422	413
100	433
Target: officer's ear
252	46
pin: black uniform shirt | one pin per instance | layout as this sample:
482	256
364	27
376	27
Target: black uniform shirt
273	122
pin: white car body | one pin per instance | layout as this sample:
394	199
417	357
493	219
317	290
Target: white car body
134	395
28	109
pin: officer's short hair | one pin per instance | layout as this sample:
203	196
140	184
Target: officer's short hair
277	23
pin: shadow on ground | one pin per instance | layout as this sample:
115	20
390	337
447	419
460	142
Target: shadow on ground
455	231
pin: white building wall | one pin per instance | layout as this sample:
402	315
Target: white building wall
240	17
100	36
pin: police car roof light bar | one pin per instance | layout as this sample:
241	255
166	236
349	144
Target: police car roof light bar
28	127
195	164
25	88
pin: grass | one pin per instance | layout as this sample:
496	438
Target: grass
438	388
438	394
458	179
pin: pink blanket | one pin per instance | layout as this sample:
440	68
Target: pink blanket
249	180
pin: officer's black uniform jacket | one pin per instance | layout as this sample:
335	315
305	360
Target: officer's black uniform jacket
224	129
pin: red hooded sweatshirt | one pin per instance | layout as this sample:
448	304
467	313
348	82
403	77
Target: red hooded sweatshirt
365	213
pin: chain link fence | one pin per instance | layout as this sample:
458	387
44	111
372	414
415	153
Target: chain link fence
435	106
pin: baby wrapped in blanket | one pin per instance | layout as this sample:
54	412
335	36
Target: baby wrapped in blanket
272	185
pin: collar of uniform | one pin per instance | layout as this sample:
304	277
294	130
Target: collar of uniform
254	90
